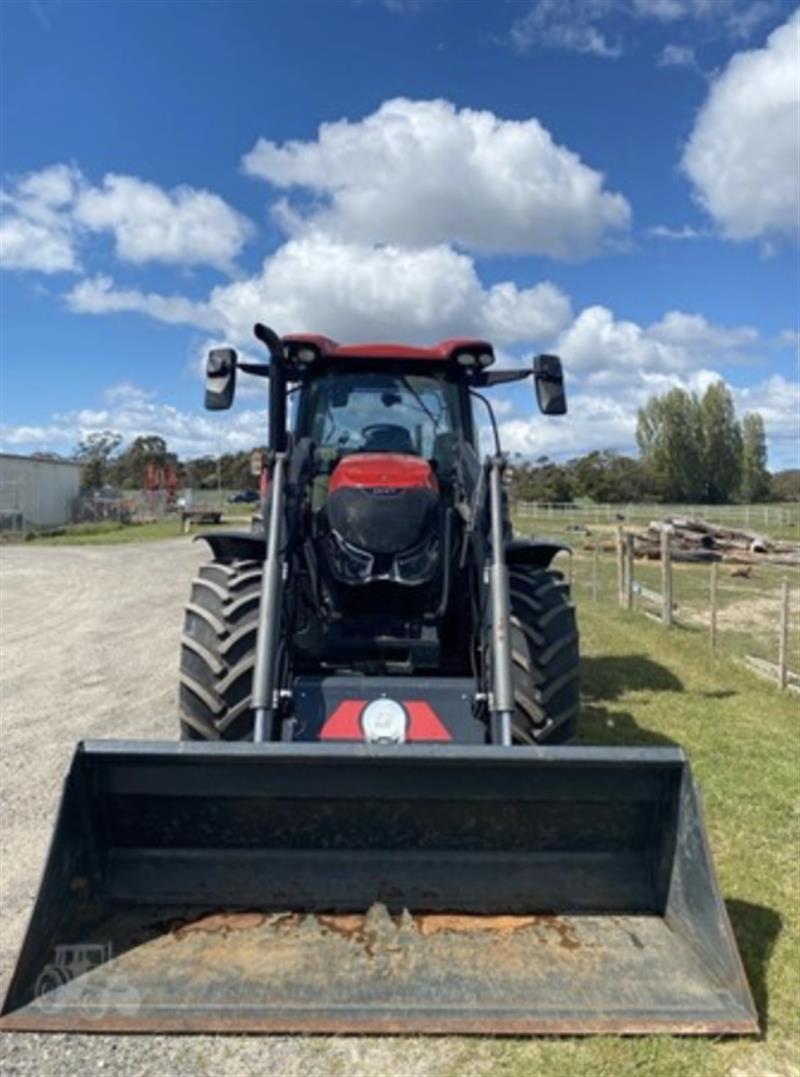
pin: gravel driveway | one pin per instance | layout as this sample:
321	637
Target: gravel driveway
89	648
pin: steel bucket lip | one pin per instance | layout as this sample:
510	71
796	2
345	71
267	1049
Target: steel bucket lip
523	755
288	1024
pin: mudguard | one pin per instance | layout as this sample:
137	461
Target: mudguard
538	553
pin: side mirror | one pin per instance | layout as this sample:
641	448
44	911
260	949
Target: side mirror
220	378
548	377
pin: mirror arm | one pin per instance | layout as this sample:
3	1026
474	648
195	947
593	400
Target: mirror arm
500	377
258	370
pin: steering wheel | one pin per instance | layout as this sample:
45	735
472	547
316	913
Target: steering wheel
388	436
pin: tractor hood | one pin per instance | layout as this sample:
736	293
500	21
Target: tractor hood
383	510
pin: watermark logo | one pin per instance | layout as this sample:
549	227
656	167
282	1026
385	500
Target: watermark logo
65	983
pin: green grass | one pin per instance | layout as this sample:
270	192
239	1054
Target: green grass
643	685
109	533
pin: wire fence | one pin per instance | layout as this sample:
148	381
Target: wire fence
748	612
560	513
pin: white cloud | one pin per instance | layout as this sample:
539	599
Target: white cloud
744	153
677	56
569	27
583	26
789	338
613	366
686	231
125	392
777	399
184	226
98	295
48	214
353	292
593	422
189	433
419	173
606	352
36	232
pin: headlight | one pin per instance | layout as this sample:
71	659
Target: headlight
419	564
348	563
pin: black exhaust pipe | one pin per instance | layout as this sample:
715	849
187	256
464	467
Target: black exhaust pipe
277	387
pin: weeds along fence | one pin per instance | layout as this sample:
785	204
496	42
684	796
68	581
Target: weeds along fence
750	613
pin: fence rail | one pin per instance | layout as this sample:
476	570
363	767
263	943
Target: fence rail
755	516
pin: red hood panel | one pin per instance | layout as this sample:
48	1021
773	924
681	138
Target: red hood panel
383	469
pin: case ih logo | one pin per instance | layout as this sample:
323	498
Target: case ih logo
384	721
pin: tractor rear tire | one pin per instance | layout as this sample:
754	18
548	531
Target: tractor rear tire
545	657
218	652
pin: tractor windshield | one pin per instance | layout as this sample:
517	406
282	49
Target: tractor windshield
382	412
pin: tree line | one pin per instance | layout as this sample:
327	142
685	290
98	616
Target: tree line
148	463
692	449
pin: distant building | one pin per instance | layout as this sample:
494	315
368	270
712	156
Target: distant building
36	492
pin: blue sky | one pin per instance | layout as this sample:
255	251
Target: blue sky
613	179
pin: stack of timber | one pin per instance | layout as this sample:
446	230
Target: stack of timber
696	540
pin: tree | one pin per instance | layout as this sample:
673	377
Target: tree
785	485
755	477
146	451
606	476
669	432
722	444
94	452
544	481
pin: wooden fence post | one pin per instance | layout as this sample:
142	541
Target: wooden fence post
666	577
594	573
620	566
712	596
783	640
629	540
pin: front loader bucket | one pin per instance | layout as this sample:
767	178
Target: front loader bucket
304	888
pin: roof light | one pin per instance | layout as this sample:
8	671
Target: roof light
467	359
305	355
485	359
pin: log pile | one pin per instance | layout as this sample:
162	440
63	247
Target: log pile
696	540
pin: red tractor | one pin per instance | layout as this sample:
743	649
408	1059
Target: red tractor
392	602
361	828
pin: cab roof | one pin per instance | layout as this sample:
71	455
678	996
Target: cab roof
465	350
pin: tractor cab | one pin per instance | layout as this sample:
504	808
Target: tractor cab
386	503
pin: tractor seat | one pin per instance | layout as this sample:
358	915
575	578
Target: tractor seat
388	438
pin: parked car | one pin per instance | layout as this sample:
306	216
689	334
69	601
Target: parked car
244	497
